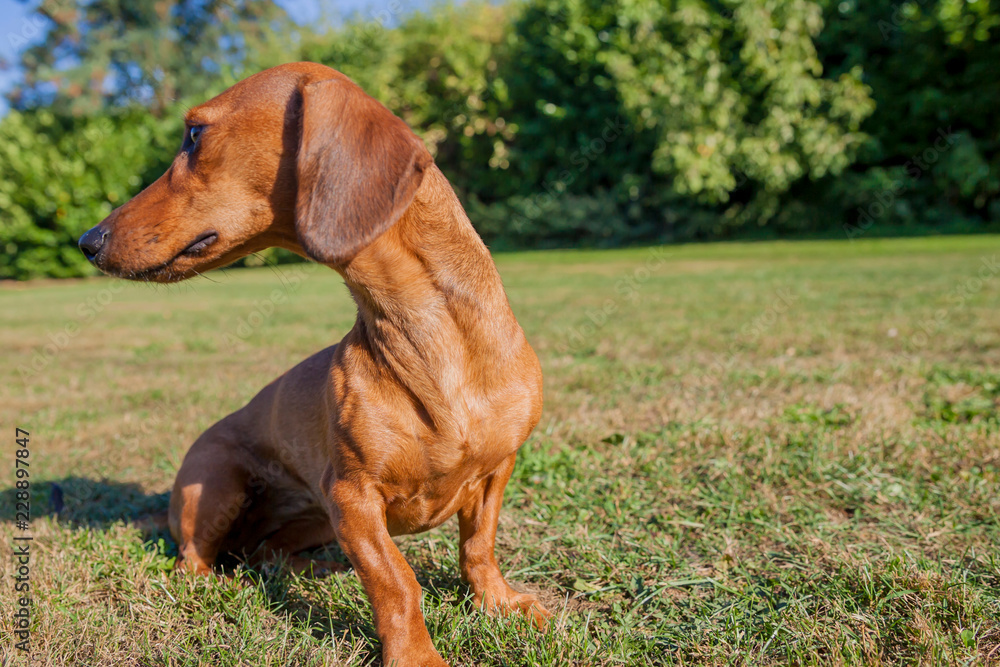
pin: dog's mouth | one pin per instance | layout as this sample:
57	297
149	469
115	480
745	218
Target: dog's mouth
164	272
204	240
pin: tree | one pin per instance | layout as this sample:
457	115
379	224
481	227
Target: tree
103	53
932	68
713	95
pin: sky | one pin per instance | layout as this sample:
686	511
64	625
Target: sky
17	27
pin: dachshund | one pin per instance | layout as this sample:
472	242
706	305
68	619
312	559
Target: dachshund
416	415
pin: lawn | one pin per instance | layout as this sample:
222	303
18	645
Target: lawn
773	453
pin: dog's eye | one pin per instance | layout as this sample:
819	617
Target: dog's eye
193	133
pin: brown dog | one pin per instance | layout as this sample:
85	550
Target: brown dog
416	415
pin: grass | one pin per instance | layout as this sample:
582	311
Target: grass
773	453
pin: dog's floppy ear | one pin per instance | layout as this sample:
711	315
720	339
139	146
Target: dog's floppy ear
358	167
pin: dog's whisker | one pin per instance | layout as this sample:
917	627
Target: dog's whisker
271	264
202	275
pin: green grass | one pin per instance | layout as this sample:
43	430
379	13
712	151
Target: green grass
773	453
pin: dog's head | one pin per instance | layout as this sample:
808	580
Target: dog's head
297	156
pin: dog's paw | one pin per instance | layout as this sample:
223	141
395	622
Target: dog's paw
530	606
512	602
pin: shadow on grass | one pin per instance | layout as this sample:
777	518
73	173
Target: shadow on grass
86	503
323	622
79	501
347	614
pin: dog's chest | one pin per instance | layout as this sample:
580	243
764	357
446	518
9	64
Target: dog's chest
451	472
430	442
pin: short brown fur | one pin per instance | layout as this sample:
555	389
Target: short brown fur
415	416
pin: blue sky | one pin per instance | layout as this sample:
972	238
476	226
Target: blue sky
16	25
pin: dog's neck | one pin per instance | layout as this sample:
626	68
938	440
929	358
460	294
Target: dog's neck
431	304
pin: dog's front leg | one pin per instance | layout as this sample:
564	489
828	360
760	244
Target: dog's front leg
358	515
477	523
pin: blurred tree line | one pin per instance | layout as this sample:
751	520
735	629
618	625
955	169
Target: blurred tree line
560	122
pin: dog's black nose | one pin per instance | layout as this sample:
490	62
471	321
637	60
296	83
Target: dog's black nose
92	241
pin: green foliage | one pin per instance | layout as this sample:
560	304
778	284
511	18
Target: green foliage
931	68
548	221
59	176
560	122
707	93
